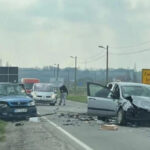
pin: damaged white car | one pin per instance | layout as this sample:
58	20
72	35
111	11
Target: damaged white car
125	101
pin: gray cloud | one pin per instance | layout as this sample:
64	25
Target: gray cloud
53	30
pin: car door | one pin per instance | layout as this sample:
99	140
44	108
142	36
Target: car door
100	102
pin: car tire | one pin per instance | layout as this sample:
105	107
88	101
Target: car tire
52	104
121	118
101	118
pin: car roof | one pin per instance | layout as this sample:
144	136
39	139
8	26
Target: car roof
129	84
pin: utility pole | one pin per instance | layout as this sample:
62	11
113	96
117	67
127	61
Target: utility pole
75	73
107	64
54	71
107	68
68	78
57	72
95	76
75	86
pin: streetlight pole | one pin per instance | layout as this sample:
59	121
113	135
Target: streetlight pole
68	77
57	72
54	69
75	73
107	64
107	68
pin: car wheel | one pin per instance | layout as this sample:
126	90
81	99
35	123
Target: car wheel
52	104
101	118
121	120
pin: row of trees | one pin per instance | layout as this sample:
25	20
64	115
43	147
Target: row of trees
45	73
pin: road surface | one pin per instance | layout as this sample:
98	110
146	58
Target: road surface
68	128
90	133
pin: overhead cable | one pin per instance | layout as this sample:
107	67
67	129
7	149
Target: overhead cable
130	46
131	53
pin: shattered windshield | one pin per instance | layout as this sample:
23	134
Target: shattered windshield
135	91
9	90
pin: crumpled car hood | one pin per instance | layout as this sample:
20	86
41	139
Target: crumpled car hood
141	102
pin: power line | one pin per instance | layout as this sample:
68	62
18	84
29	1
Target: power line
91	58
100	57
130	46
131	53
95	55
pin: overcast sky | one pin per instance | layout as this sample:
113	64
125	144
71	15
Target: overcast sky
47	32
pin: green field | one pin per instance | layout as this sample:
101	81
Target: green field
77	98
79	95
2	130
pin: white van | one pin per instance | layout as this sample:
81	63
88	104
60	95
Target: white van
44	93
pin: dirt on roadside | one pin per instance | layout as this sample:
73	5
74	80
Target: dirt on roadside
27	135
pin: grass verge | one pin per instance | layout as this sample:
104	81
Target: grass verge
77	98
2	130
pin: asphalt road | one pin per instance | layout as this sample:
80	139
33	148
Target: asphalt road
69	128
88	133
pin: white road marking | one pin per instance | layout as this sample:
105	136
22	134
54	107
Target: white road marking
86	147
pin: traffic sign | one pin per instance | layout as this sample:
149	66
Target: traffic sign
146	76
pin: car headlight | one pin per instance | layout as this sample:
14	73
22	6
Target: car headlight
34	94
53	96
3	105
32	103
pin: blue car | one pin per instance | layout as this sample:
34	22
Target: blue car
14	102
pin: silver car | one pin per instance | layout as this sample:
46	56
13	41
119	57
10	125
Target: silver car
126	101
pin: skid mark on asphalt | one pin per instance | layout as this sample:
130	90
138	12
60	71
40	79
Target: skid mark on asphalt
83	145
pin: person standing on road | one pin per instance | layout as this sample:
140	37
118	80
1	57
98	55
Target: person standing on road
63	94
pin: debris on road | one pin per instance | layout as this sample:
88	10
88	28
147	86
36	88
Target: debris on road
79	116
68	123
48	114
75	119
109	127
34	119
19	124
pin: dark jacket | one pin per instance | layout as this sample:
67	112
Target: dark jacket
63	89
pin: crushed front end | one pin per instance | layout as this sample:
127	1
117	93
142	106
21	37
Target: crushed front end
138	114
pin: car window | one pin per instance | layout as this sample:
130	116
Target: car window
117	91
99	91
135	91
10	90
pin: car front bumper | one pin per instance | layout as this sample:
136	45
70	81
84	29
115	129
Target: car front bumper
45	100
18	112
139	114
